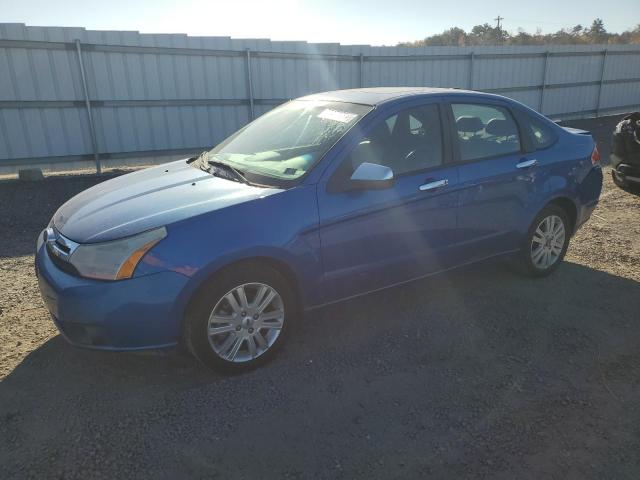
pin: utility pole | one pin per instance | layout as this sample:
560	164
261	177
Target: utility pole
498	19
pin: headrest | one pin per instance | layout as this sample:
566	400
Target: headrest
500	128
469	124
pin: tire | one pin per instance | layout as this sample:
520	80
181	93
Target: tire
246	337
540	263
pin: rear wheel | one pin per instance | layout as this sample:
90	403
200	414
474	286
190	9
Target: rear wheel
240	318
546	243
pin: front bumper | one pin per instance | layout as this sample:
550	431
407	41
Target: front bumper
133	314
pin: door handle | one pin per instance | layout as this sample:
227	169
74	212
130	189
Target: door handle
527	163
434	185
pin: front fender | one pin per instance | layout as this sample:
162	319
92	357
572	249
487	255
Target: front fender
258	254
282	227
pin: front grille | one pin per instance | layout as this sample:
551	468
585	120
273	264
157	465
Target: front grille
61	264
63	247
60	250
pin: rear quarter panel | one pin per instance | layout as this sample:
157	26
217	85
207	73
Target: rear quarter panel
565	171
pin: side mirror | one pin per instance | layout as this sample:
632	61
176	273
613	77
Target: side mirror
372	176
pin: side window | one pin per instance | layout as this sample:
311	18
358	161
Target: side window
541	135
484	131
406	142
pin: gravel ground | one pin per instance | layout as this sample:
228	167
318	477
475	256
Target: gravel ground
476	374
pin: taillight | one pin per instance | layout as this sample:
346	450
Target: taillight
595	155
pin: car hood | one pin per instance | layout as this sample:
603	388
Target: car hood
147	199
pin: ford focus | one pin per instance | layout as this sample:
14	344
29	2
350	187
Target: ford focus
324	198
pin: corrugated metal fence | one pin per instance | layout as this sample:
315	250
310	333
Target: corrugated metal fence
70	94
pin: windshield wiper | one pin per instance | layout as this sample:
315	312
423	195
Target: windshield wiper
223	170
236	174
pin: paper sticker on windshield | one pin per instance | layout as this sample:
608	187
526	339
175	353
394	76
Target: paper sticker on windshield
336	116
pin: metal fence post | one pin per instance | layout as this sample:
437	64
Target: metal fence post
471	71
250	85
361	71
544	80
604	65
87	104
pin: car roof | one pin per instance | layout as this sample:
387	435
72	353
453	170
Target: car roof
379	95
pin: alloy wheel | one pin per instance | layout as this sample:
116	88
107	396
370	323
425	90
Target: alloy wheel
547	242
246	322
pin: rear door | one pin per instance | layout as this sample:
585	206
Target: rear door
497	177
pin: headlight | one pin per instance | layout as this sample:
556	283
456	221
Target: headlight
117	259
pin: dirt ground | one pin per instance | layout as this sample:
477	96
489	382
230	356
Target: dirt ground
476	374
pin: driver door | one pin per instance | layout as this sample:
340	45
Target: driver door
373	238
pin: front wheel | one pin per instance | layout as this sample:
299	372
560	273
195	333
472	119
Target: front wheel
240	318
546	243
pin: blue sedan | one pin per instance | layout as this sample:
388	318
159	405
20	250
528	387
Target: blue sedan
324	198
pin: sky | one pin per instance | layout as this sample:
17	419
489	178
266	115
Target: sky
374	22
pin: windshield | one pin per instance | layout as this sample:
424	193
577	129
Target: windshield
284	144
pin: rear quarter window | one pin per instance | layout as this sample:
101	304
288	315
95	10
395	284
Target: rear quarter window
541	134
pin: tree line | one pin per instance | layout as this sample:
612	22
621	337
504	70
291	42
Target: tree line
489	35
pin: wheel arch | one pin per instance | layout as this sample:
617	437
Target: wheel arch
281	266
569	206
